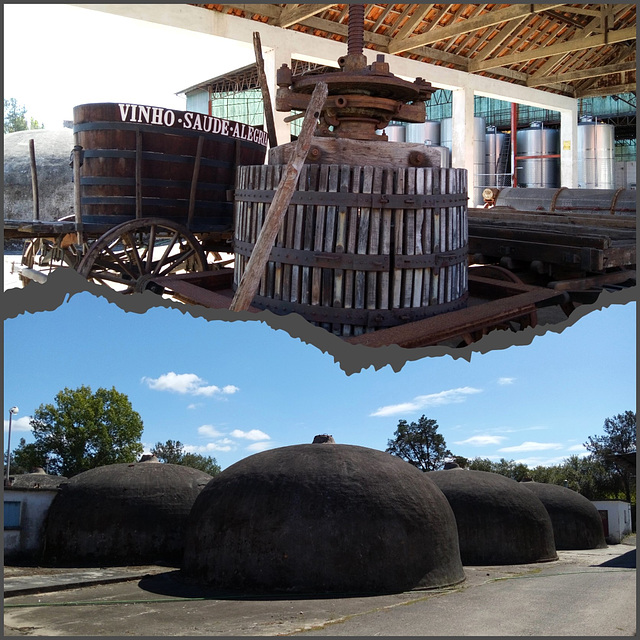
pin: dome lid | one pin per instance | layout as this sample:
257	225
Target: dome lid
498	520
122	514
316	519
37	479
575	519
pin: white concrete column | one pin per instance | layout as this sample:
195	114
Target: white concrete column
274	58
569	147
462	138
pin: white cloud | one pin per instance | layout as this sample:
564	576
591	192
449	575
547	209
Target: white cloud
482	440
209	431
253	434
187	383
578	447
23	423
532	446
223	444
503	381
259	446
450	396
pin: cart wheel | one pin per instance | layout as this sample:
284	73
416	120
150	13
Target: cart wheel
49	254
133	253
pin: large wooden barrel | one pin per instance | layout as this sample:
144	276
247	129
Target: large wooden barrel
141	161
360	247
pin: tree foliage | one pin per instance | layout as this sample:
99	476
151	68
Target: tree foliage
15	117
619	437
419	444
172	452
82	430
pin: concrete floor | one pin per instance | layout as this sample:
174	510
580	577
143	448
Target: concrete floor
584	593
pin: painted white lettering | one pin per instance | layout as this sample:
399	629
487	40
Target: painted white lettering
169	118
225	127
144	113
187	120
196	122
235	131
217	125
134	108
124	111
208	124
156	115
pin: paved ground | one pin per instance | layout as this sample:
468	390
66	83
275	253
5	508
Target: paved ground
584	593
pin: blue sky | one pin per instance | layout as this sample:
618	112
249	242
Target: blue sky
230	389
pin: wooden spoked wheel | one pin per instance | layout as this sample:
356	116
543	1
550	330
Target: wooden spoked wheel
133	254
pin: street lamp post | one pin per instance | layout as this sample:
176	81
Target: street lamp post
11	412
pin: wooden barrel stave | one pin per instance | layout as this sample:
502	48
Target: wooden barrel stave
315	270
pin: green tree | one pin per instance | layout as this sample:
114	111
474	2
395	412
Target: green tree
619	438
509	468
34	124
172	452
14	116
82	430
419	444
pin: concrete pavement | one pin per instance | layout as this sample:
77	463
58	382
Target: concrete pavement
585	593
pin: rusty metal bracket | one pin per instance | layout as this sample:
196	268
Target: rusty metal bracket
362	200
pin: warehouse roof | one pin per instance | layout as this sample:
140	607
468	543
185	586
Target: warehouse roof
578	50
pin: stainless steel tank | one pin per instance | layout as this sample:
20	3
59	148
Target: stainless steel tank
537	171
497	158
479	142
396	132
596	154
427	132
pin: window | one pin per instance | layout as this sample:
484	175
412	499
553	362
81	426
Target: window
12	515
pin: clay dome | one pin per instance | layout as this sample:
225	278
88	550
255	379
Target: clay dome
499	521
37	479
122	514
322	518
575	519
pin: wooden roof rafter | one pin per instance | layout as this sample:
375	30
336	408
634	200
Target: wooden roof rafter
520	43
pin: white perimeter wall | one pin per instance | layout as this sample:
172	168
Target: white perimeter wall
281	45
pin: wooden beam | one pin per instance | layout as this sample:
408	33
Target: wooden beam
293	14
250	280
619	35
488	19
269	10
419	13
570	76
461	62
505	34
588	30
607	91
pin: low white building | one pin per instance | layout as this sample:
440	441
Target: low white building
26	504
616	519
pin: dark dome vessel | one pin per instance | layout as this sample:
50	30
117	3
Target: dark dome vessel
575	519
122	514
499	521
320	518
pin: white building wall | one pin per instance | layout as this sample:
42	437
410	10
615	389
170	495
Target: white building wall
619	518
27	540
